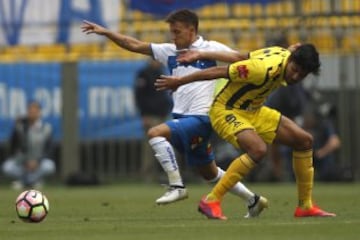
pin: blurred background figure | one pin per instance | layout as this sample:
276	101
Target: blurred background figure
326	142
30	149
154	107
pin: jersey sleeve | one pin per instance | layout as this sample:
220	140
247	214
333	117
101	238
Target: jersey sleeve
266	51
247	71
161	51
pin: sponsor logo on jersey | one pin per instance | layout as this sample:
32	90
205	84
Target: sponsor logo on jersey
243	71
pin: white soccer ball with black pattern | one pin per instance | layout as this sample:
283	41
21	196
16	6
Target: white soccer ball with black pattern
32	206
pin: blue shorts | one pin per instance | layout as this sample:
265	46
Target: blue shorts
190	135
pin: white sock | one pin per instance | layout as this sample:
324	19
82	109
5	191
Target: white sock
239	189
165	154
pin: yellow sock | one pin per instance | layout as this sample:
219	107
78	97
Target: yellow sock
239	168
304	173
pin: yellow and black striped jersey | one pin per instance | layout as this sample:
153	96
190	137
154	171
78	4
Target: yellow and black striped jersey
252	80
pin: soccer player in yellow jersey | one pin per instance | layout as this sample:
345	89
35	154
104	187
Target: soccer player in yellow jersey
239	116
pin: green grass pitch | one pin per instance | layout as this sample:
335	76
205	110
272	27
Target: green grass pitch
127	211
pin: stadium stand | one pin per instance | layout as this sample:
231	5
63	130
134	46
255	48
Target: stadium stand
323	22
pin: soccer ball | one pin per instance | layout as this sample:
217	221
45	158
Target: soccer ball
32	206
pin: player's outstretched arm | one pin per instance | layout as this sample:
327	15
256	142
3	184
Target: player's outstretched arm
223	56
294	46
123	41
172	82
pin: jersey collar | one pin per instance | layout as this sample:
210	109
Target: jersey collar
198	42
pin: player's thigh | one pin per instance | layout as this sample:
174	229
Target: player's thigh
290	134
243	129
190	135
227	124
253	144
266	122
161	130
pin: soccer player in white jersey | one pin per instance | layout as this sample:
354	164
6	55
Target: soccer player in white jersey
190	129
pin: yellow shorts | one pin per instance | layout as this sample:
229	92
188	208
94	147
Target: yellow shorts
227	123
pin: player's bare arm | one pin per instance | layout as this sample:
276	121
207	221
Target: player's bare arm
127	42
294	46
228	57
172	83
223	56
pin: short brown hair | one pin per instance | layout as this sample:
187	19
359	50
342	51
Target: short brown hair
184	16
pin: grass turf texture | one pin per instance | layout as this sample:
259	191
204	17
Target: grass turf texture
128	211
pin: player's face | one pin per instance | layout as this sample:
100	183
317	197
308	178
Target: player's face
182	34
294	73
34	112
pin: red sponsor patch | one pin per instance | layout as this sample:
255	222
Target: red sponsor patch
242	71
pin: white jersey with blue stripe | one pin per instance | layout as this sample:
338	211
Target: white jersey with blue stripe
194	98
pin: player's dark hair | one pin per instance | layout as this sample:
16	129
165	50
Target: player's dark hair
33	102
307	57
184	16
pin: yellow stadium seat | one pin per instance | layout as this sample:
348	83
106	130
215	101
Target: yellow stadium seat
219	10
138	15
347	5
318	6
350	42
251	41
274	9
18	52
153	37
112	51
258	10
248	10
51	48
323	40
140	26
225	37
5	58
50	52
293	37
306	7
19	49
242	10
84	50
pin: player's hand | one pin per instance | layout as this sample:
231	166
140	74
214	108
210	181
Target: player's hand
90	27
167	83
31	165
293	47
188	56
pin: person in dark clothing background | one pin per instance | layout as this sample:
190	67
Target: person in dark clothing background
326	143
154	107
31	149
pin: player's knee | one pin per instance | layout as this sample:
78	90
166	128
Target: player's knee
153	132
258	152
305	142
209	172
208	176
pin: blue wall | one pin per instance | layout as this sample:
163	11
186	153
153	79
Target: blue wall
106	106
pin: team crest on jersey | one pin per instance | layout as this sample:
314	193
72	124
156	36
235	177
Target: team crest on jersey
242	71
195	141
